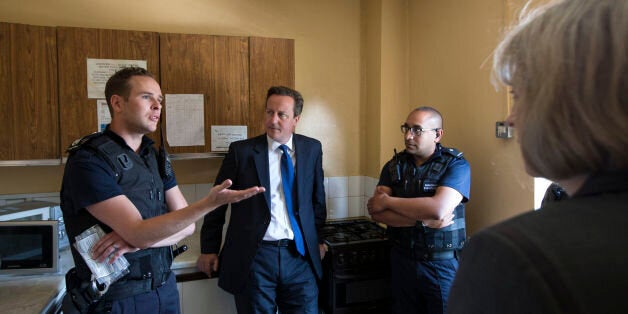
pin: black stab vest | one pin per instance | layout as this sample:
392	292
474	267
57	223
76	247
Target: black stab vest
140	181
409	181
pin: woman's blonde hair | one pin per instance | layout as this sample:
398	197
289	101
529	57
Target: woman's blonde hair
567	63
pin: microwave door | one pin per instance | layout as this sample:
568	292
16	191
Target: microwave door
28	247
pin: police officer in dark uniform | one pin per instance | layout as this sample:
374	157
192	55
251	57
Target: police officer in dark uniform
420	196
112	179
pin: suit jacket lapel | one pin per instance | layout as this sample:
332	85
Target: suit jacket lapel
260	156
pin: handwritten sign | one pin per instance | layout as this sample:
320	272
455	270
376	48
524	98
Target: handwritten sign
223	135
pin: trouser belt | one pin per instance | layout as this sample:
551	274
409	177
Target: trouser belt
132	287
425	255
280	243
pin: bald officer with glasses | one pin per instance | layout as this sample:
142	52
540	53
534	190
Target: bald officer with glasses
420	196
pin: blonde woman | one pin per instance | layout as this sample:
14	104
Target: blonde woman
567	64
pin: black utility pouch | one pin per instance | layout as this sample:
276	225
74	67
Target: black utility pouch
72	283
80	296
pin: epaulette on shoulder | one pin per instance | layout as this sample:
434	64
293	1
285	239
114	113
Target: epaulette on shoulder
452	151
81	141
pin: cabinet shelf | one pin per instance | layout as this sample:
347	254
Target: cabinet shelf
186	156
31	162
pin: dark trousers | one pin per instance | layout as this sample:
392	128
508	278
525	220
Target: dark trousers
163	300
281	279
420	286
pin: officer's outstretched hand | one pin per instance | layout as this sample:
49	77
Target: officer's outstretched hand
221	194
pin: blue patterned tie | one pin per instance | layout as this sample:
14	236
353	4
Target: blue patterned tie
287	180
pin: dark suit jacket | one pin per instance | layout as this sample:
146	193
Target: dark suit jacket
246	164
568	257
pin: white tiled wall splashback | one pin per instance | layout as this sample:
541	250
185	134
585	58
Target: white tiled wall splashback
346	196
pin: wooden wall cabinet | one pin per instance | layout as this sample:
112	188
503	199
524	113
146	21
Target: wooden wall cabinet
271	64
78	113
233	74
29	111
215	66
43	82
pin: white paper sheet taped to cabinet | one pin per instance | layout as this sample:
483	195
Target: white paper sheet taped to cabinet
185	125
224	135
100	70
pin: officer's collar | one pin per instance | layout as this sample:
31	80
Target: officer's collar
146	141
437	153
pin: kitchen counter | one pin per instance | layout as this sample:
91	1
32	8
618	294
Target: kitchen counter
31	295
40	293
34	293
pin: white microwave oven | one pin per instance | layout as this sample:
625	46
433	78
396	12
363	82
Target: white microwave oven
36	210
29	247
31	235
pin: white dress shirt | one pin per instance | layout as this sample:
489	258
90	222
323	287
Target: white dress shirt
279	227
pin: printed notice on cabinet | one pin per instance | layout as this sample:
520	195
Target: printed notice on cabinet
104	117
185	123
223	135
100	70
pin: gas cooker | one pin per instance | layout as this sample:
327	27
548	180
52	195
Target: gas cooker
356	268
355	244
353	231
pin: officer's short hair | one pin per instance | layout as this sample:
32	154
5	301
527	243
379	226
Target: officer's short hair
118	83
567	65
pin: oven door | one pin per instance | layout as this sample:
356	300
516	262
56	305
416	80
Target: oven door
356	292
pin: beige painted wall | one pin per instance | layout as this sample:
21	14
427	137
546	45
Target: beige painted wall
395	76
385	69
370	124
451	48
361	66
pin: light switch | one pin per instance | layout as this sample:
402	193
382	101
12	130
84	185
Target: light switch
503	130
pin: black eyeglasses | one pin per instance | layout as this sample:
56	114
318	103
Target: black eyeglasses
416	131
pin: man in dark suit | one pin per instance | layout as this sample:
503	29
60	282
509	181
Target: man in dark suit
271	258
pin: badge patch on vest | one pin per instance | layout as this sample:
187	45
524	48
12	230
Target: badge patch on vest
430	187
125	161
